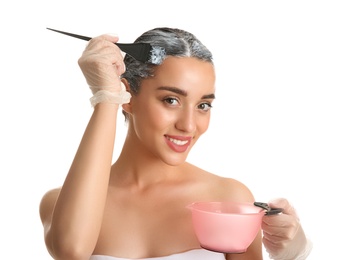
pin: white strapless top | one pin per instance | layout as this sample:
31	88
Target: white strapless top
195	254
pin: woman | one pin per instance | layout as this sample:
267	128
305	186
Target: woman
135	208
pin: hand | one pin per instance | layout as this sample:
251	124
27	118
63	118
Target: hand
283	235
102	64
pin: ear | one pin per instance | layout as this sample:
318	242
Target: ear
127	107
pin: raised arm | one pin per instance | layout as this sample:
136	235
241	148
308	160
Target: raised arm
72	216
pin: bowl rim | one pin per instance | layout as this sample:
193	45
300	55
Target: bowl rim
192	208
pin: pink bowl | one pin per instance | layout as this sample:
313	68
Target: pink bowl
226	227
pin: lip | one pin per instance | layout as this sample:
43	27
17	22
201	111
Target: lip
182	144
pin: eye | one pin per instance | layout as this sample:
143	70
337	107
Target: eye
205	106
171	101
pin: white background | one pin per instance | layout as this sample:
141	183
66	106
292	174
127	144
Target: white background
279	122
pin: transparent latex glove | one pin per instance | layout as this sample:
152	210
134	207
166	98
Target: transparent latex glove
102	64
283	235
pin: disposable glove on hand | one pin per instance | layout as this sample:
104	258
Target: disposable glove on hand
283	235
102	64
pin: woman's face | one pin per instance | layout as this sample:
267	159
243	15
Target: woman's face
172	109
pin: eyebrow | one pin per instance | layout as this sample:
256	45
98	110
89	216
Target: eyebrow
184	93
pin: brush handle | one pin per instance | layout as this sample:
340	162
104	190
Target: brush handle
139	51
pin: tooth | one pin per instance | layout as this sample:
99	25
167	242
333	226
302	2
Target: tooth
178	142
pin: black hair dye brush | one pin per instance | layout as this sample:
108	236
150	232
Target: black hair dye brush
143	52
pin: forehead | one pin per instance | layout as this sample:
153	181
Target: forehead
185	72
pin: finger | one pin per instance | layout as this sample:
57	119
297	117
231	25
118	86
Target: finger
113	55
273	245
101	43
272	242
280	233
283	226
108	55
284	204
279	220
103	38
111	37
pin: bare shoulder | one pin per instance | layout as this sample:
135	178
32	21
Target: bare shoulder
233	189
47	204
221	188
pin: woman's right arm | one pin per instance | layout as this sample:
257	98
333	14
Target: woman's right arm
72	216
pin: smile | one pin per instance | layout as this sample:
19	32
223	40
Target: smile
178	142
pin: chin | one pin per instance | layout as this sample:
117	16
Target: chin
177	160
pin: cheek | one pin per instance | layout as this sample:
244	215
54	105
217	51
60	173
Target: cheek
151	117
203	124
161	119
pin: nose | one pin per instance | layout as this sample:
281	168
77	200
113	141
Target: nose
186	121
